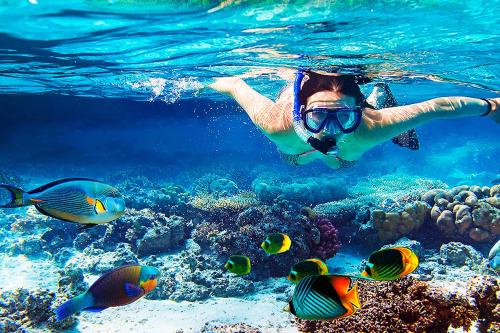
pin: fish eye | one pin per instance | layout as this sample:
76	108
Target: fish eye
368	270
293	276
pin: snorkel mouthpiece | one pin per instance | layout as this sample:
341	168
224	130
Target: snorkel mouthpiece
326	146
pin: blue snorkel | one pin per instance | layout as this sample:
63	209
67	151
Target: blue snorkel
325	146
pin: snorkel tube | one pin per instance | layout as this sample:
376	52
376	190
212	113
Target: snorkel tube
326	146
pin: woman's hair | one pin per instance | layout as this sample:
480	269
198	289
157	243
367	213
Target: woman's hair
344	84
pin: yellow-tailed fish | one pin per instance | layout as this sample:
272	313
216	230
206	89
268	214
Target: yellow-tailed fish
238	265
276	243
390	264
77	200
305	268
324	297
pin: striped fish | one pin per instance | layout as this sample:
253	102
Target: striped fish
324	297
390	264
77	200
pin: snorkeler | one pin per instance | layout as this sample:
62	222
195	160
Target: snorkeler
326	117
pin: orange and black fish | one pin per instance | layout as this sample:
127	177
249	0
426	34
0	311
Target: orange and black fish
390	264
324	297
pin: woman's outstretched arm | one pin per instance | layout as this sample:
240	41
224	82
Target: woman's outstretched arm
271	117
381	125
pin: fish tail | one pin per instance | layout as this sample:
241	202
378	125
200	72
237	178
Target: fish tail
18	197
73	306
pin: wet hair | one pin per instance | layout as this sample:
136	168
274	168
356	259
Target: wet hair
343	83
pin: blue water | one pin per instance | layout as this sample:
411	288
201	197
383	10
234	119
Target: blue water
99	88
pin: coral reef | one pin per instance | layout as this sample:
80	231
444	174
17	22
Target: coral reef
244	232
23	309
229	328
408	305
308	191
457	254
192	276
392	225
469	213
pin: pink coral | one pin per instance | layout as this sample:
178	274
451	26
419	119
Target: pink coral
329	241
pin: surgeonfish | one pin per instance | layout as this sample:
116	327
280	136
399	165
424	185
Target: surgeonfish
276	243
494	256
390	264
118	287
238	265
77	200
324	297
305	268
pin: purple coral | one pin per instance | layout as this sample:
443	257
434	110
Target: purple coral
329	241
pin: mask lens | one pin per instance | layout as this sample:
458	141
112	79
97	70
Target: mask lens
315	119
346	118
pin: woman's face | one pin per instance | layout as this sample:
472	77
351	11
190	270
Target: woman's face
328	98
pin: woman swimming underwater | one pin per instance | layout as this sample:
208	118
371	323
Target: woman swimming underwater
325	116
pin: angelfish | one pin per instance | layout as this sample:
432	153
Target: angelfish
121	286
390	264
324	297
77	200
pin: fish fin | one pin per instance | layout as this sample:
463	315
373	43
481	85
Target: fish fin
410	260
287	242
57	182
87	226
132	290
16	194
90	200
95	309
73	306
350	301
286	308
44	212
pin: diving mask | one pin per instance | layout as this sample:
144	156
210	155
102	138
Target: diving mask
331	117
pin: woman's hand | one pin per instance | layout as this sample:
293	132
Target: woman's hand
226	85
495	109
